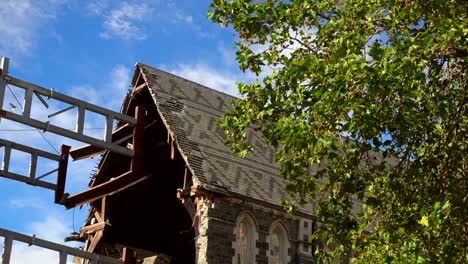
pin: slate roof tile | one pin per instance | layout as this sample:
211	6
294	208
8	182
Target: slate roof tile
190	111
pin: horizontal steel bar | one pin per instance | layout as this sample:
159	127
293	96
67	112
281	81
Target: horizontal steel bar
61	111
117	138
43	101
70	100
30	150
57	247
65	132
28	180
46	174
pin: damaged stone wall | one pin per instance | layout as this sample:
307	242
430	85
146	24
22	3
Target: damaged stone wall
216	240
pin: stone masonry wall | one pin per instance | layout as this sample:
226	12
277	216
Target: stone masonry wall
216	240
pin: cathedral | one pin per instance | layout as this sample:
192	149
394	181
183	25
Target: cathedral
192	200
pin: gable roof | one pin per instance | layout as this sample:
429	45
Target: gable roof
189	111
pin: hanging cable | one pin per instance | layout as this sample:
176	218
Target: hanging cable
73	220
40	133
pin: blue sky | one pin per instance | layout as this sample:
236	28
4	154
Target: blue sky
88	49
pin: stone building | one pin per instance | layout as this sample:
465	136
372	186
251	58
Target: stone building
194	201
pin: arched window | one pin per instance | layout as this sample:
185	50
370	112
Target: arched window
278	244
245	240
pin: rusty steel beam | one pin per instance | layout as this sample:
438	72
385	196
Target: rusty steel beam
136	164
89	151
110	187
62	174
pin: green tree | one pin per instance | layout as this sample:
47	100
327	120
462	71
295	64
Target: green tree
365	102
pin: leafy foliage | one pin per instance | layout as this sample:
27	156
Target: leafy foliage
365	102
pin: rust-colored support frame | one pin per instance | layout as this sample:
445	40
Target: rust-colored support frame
136	164
89	151
62	174
110	187
122	182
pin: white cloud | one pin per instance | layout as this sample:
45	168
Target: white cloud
97	7
180	16
124	22
25	254
51	228
208	76
27	203
21	21
227	53
120	80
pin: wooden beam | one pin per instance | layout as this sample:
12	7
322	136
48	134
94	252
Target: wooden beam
186	171
98	217
172	149
62	174
89	151
190	207
93	228
138	88
103	208
78	238
128	256
110	187
95	241
136	164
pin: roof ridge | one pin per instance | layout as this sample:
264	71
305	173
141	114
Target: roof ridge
185	79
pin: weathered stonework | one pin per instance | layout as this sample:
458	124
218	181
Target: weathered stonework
216	240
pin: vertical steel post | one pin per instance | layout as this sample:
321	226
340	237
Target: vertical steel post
8	244
109	127
80	119
27	104
6	158
3	72
33	167
63	257
62	173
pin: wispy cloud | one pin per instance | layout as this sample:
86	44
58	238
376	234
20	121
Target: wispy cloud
97	7
208	76
21	23
125	21
27	203
228	54
51	228
182	17
109	95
